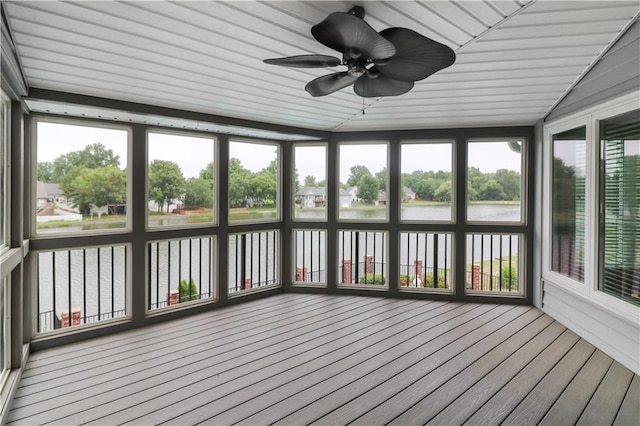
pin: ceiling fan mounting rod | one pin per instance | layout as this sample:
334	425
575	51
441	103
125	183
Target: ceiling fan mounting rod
357	11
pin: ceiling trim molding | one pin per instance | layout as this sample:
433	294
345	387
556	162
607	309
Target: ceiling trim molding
152	110
12	72
593	63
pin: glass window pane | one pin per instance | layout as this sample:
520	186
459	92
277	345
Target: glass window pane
253	181
181	179
620	195
494	181
568	209
426	182
82	181
363	182
310	182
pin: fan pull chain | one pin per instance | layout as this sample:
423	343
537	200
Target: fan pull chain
363	105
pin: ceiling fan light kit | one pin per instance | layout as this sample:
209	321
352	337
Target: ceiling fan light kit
387	63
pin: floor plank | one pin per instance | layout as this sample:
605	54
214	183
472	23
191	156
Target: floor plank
570	405
630	409
607	399
298	359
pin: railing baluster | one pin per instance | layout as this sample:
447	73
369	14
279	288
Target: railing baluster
169	269
84	283
510	263
382	268
481	285
200	256
98	283
446	240
500	264
113	284
435	261
491	262
243	265
69	282
310	257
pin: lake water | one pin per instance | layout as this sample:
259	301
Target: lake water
309	248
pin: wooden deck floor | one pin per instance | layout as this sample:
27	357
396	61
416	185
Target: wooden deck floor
299	359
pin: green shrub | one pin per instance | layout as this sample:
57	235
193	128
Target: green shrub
188	291
509	283
427	280
405	280
375	279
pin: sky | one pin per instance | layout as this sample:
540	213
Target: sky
194	153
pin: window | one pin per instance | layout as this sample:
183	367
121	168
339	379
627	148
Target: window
568	175
82	178
362	195
181	179
494	181
5	106
310	186
426	184
254	176
619	256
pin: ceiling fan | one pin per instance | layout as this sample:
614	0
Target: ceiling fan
378	64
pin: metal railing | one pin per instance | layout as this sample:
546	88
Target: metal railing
362	256
427	259
180	271
253	260
81	286
492	262
309	253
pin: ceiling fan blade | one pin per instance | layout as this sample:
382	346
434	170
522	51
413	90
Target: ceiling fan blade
373	87
305	61
342	31
329	83
416	58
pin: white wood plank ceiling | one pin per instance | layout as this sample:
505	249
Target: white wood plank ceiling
515	58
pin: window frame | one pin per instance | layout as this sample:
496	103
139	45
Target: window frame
590	118
292	206
33	173
361	222
454	184
524	154
278	201
216	178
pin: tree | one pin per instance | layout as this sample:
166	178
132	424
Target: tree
381	176
368	189
443	192
476	179
45	171
166	182
99	187
510	182
263	187
207	173
356	173
93	156
310	180
491	191
198	192
238	183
